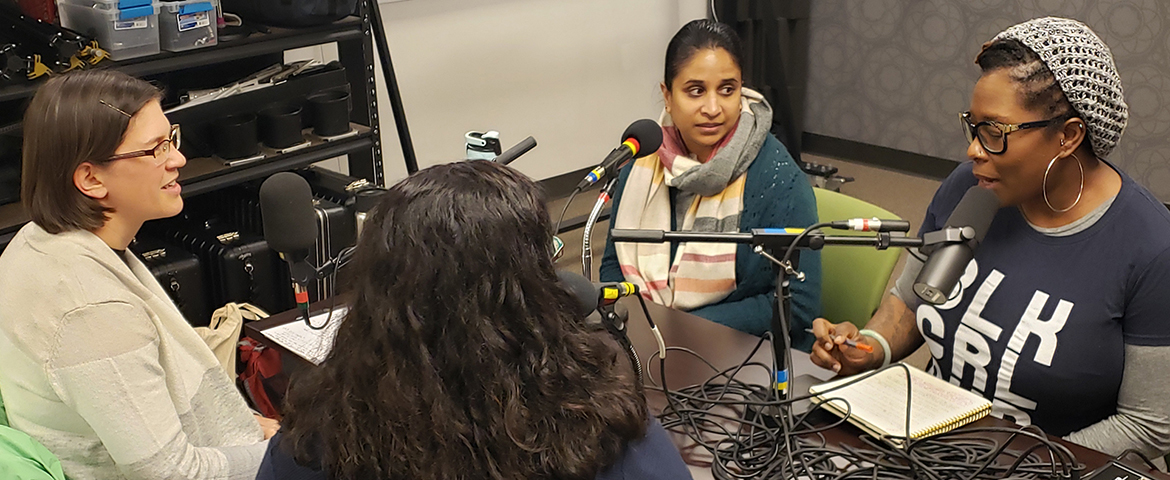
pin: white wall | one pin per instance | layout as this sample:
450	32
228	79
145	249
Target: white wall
571	73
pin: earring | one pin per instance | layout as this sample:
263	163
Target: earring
1062	142
1044	184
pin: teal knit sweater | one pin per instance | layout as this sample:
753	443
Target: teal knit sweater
776	194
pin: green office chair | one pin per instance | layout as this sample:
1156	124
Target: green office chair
853	279
22	458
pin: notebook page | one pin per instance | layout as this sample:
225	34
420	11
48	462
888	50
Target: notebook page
312	345
880	401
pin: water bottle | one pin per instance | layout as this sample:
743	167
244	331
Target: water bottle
483	145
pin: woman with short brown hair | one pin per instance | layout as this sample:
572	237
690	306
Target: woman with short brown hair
97	363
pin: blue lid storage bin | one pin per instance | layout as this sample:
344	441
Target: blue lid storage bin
126	29
186	24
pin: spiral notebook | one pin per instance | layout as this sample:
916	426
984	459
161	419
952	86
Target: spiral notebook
878	404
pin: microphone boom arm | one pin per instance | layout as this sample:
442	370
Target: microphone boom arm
775	239
769	241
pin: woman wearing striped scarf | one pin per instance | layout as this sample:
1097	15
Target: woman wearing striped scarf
719	170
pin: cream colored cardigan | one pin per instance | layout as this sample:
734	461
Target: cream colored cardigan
98	365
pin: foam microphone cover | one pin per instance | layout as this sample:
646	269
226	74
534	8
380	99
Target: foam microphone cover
580	287
946	264
648	134
976	209
286	206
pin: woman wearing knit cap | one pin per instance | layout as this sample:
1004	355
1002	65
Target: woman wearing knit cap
719	170
1062	319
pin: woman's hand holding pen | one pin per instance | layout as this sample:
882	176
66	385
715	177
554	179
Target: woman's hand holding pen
839	347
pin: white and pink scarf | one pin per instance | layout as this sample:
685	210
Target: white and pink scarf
700	273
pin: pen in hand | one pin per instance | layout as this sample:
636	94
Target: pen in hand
852	343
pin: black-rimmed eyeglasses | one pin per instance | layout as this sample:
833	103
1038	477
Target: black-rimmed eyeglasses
159	152
992	135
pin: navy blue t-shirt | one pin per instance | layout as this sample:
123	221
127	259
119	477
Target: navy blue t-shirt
1041	322
652	457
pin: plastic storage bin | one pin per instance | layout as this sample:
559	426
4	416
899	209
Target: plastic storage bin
126	28
186	24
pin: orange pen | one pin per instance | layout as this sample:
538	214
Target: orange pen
860	346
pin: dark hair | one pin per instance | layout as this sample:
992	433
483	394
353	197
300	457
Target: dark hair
461	357
699	35
67	124
1039	89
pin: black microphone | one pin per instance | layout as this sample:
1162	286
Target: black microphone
947	262
582	289
641	138
290	228
591	295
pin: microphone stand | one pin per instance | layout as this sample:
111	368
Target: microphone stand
586	244
770	243
379	30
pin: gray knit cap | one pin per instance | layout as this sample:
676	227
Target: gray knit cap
1083	66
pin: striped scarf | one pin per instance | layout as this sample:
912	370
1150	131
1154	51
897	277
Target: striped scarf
700	273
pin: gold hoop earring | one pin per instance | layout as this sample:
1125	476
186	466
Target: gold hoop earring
1044	184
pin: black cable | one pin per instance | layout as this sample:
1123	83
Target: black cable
750	433
725	417
561	218
1140	455
916	254
800	236
335	264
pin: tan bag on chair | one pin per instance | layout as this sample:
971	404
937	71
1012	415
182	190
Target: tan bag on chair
223	334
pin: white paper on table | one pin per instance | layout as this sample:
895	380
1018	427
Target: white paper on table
312	345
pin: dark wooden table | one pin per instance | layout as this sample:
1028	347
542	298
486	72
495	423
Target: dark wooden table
722	346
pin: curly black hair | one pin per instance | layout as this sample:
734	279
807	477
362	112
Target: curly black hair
461	357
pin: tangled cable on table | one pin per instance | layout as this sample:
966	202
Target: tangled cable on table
751	434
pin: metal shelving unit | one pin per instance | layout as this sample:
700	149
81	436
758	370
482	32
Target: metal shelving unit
203	175
353	36
278	40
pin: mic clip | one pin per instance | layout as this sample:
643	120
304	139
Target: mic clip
614	318
331	266
946	236
302	271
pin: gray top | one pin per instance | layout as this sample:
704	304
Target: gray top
101	368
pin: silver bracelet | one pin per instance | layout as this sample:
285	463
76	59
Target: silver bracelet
881	340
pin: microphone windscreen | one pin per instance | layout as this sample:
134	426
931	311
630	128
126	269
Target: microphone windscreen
580	287
976	210
286	205
648	134
946	264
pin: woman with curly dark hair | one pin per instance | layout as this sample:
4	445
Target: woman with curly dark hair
461	357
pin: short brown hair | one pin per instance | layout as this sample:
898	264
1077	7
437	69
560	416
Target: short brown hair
75	118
